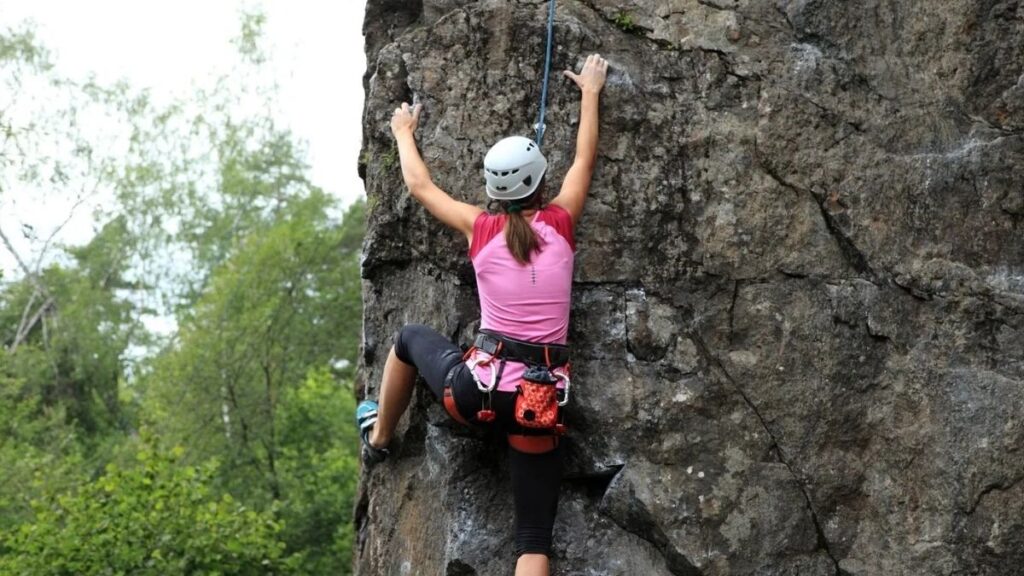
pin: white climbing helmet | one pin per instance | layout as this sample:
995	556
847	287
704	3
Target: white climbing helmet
513	168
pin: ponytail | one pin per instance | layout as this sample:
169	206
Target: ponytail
522	241
520	237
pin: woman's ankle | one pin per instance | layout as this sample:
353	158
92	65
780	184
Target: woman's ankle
377	441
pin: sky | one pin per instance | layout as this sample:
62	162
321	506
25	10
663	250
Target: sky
168	46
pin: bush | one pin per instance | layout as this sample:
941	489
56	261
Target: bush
158	518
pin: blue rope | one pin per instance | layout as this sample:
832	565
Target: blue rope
547	71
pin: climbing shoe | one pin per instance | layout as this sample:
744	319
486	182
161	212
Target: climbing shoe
366	417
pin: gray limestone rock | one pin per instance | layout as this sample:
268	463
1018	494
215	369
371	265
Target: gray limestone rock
798	312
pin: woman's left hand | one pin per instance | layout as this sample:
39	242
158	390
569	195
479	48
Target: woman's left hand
591	78
405	119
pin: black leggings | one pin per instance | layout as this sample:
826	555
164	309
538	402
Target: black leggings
535	477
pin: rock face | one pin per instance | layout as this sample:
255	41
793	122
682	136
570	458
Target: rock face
798	318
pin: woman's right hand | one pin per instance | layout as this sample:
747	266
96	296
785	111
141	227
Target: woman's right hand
405	119
592	77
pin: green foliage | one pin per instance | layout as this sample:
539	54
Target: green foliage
287	301
319	470
625	22
72	356
248	41
39	451
213	218
20	48
159	517
64	328
245	381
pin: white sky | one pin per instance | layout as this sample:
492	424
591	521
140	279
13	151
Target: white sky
316	47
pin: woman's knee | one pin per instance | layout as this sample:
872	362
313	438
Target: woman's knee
535	542
404	338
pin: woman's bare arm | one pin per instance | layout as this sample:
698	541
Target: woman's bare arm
451	212
577	181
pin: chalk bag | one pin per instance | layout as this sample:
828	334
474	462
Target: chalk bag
537	400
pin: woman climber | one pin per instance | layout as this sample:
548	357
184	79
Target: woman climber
516	375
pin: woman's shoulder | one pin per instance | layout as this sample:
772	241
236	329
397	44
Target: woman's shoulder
558	218
485	228
555	211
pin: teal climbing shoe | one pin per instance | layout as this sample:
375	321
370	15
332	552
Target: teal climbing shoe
366	417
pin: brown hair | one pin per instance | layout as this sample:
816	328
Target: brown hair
522	241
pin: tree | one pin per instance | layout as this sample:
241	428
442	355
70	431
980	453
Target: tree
61	410
63	329
319	470
286	302
40	452
211	219
157	518
81	347
46	153
237	384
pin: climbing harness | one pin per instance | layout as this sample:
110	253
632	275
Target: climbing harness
485	414
537	404
547	71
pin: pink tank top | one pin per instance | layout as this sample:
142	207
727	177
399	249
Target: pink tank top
527	302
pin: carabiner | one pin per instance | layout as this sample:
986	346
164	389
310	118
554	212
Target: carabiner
568	383
472	364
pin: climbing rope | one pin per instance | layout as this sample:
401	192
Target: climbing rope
547	71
